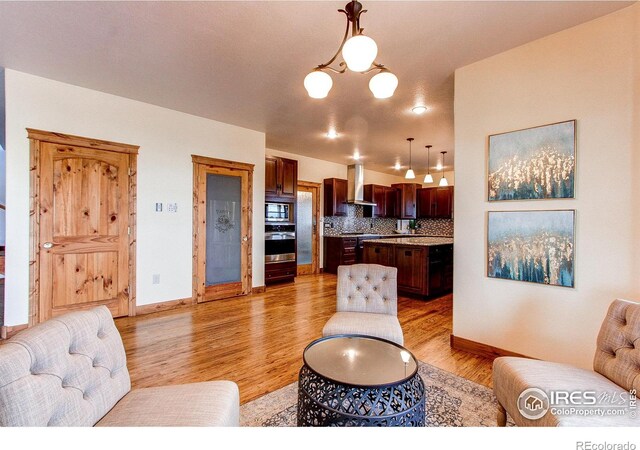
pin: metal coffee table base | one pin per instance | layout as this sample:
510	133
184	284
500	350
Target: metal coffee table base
323	403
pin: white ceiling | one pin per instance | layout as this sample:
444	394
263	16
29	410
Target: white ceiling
243	63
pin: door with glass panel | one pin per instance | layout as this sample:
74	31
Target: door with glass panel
222	229
307	232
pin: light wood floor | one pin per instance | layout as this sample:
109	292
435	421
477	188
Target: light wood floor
257	341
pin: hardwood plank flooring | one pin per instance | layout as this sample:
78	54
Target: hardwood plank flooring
257	340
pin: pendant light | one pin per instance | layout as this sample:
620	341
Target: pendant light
443	180
428	178
410	175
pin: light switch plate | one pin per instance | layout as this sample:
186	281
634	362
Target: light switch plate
158	207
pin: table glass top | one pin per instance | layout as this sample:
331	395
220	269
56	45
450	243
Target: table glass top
360	360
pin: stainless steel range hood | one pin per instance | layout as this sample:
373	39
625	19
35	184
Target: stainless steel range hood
355	182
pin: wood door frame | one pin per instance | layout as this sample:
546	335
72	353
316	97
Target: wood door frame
35	138
199	258
315	245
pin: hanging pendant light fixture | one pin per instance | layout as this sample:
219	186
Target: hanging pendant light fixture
359	53
443	180
428	178
410	175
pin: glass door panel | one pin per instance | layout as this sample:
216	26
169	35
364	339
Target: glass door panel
224	230
304	227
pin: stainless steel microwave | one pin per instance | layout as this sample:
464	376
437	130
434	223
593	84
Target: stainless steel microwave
278	212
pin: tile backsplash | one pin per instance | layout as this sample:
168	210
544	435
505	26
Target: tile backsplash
354	222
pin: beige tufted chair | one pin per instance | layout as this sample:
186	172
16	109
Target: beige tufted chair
367	303
616	372
72	371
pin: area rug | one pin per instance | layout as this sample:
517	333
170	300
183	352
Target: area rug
451	401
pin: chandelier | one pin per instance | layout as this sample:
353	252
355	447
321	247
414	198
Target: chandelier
359	53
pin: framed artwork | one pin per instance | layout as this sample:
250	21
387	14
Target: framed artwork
534	163
532	246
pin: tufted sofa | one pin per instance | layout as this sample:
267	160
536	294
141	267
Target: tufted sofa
72	371
367	303
616	371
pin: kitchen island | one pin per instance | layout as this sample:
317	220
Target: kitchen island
425	264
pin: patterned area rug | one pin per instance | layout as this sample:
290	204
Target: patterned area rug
451	401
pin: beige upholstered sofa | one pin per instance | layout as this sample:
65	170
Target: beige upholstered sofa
616	372
72	371
367	303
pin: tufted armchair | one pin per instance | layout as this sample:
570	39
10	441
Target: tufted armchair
367	303
616	372
72	371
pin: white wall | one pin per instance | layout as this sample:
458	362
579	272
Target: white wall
166	138
589	73
2	109
3	171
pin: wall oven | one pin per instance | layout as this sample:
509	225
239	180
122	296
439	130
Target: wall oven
278	212
279	243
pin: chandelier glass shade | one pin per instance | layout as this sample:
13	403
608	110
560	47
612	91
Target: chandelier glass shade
318	84
359	53
383	85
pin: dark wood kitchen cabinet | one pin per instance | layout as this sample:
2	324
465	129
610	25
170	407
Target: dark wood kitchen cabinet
440	269
281	179
278	272
385	199
338	251
406	198
335	197
424	271
435	202
411	262
391	198
377	254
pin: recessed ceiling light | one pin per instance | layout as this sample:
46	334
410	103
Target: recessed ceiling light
356	155
420	109
332	134
397	166
439	166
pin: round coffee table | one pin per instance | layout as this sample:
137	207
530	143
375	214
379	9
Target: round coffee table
353	380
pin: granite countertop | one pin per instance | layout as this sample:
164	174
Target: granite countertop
389	235
419	241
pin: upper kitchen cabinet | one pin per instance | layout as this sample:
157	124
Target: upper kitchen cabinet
281	178
385	199
435	203
376	194
406	198
335	197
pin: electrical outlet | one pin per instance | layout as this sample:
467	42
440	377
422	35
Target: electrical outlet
156	278
172	207
328	225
